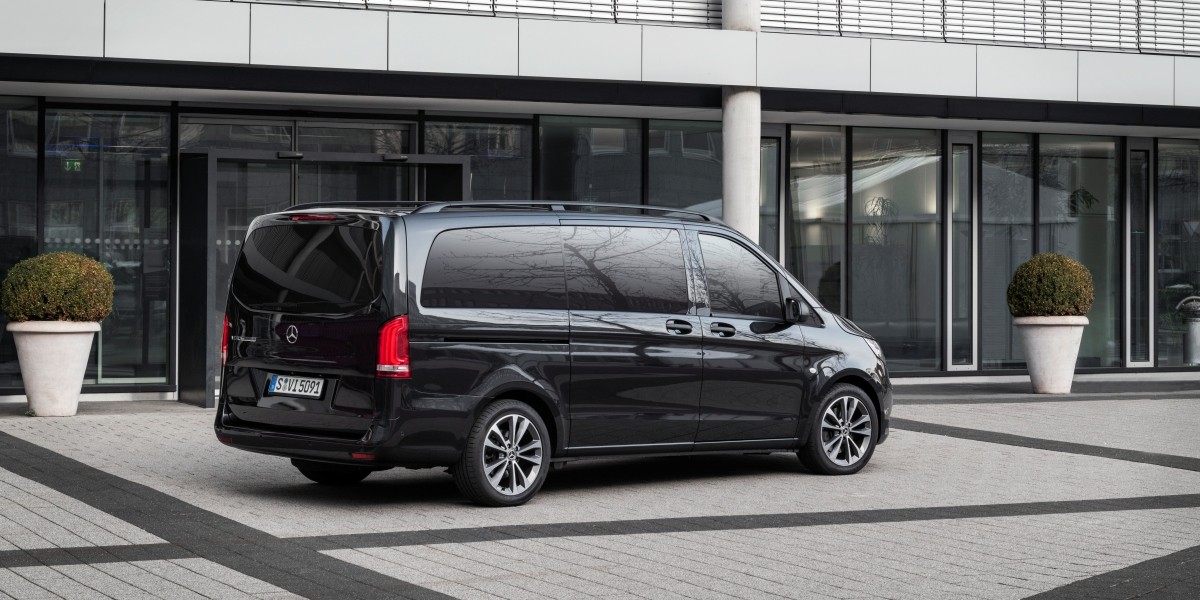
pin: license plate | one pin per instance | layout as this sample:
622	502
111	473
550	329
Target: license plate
286	385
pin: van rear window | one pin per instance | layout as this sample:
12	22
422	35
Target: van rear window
310	268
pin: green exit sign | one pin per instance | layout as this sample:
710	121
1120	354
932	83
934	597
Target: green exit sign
73	165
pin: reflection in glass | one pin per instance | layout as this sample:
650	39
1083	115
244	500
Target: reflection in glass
1007	230
685	165
626	269
357	182
960	294
495	267
107	196
206	134
18	207
896	286
591	159
817	212
1177	253
1079	200
1139	255
311	268
768	196
738	282
368	139
501	156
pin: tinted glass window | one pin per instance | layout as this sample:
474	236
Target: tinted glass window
738	282
309	268
496	267
625	269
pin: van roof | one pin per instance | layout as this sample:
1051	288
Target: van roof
599	208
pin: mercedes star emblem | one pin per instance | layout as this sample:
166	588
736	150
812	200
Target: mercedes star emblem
293	334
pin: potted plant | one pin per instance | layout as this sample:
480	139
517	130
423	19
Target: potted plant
1049	296
54	304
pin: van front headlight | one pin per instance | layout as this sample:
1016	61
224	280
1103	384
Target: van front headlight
874	346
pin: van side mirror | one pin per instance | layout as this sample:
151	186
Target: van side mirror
797	311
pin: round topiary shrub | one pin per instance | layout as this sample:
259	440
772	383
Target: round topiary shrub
1051	285
59	286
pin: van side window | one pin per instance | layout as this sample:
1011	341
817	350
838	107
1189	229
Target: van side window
738	282
627	269
495	267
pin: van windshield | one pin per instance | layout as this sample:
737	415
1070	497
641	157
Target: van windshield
309	268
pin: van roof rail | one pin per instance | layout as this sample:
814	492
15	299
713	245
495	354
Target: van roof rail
556	206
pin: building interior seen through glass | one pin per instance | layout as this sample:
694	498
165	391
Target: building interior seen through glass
18	206
108	196
1177	256
895	265
1127	209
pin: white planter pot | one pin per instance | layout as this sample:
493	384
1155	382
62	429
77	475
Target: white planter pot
1051	347
53	357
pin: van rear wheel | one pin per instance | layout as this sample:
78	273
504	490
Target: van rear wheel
506	457
842	433
331	474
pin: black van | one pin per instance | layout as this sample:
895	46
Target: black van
497	339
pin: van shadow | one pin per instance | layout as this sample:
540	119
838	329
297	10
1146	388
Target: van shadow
433	486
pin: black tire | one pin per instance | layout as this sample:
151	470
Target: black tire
827	428
516	474
331	474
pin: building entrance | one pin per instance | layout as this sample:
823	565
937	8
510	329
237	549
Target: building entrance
222	191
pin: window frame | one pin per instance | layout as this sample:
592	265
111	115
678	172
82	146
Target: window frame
702	277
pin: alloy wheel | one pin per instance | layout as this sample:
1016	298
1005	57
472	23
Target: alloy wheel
512	454
846	431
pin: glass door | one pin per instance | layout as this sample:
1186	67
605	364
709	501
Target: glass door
961	279
222	191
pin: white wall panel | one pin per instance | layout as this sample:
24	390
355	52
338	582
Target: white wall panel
433	43
692	55
178	30
61	27
318	37
1028	73
791	60
1126	78
922	68
580	50
1187	81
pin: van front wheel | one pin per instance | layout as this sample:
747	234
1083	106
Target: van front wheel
506	457
842	434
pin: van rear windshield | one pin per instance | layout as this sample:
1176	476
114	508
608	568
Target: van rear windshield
310	268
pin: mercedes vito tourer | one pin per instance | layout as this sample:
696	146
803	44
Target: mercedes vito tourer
500	338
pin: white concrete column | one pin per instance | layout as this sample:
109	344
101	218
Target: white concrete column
741	128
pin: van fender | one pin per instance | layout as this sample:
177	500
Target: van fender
853	376
512	383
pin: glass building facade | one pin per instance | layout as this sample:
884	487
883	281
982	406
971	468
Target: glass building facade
912	233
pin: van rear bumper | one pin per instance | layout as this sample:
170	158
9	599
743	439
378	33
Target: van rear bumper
394	449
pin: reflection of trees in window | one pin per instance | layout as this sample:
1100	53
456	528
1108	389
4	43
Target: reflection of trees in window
495	267
738	282
627	269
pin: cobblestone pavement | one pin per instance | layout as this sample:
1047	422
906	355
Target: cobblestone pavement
1062	497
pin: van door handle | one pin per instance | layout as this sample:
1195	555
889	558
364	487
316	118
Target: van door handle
679	326
722	329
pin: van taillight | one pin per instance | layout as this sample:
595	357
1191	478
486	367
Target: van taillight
225	341
393	350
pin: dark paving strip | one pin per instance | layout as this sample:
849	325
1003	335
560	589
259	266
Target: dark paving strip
916	398
50	557
1146	388
734	522
978	435
193	531
1174	576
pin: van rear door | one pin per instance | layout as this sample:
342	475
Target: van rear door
306	304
